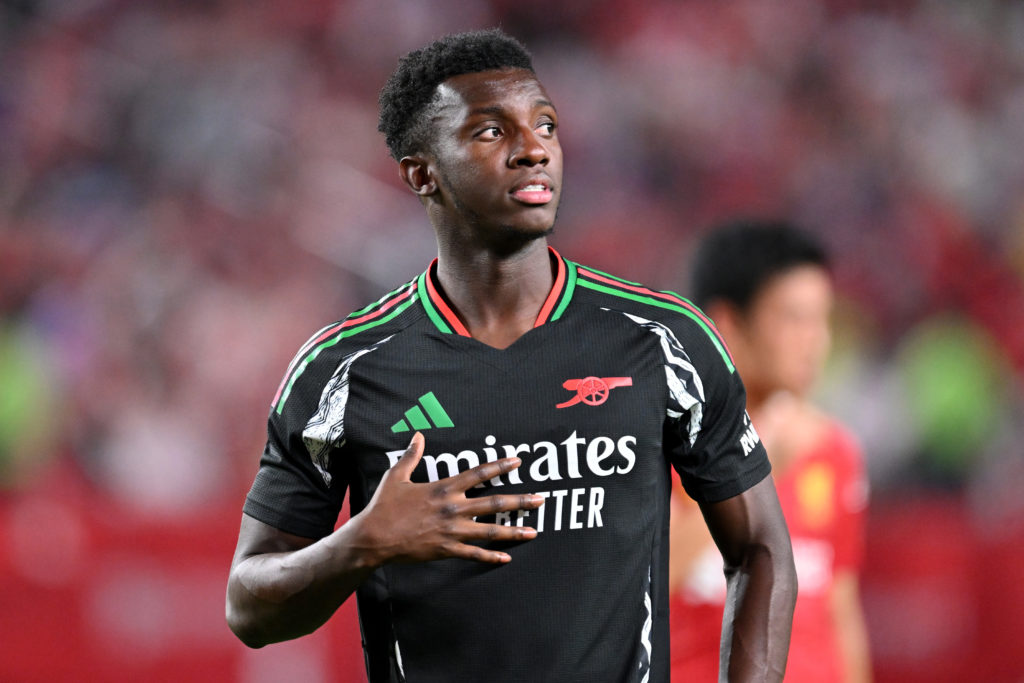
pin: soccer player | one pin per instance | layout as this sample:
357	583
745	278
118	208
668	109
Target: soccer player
521	533
768	287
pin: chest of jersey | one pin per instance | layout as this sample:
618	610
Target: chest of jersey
584	413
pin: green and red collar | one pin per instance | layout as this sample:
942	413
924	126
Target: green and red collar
447	322
567	277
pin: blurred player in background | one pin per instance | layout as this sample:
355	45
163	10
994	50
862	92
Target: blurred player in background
767	285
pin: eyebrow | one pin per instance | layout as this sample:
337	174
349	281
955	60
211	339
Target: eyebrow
498	111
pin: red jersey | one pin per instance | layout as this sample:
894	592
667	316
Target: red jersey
823	494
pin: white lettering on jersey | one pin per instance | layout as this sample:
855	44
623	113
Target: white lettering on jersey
603	456
564	509
750	437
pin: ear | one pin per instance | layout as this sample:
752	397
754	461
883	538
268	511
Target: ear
417	173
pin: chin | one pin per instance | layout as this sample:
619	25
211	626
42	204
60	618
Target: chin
528	233
799	387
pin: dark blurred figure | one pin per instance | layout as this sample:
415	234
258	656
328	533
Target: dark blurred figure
768	287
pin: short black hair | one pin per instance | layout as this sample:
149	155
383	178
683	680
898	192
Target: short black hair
736	259
410	89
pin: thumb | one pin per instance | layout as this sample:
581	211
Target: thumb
407	463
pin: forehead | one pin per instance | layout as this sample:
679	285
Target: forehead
504	89
804	285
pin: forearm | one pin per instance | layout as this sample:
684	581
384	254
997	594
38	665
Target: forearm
278	596
284	586
851	631
758	614
853	647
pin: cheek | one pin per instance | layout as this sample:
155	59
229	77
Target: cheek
790	359
764	362
813	339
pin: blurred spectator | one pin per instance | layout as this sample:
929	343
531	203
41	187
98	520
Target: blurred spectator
767	285
958	381
29	412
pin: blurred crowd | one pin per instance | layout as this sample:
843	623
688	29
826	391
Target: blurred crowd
189	188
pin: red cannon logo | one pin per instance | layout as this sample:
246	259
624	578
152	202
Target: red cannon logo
593	390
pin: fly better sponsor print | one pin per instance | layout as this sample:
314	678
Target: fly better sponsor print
571	459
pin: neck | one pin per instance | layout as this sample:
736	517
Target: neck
497	296
755	401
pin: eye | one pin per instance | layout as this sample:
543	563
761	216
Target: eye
547	128
489	133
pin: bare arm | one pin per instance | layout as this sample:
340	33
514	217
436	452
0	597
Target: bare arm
851	630
751	533
283	586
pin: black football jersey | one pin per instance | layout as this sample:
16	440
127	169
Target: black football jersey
614	384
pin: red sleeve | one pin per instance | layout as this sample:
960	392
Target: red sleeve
850	501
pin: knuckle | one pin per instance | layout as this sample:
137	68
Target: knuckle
497	467
497	503
449	510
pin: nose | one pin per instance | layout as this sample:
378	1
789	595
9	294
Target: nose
530	150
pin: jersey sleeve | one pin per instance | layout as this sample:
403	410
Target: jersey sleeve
851	502
300	486
711	440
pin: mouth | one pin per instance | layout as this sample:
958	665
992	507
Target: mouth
536	192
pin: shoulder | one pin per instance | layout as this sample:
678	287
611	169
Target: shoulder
842	442
848	459
833	445
660	310
793	428
360	332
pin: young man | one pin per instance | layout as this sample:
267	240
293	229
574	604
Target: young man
768	287
521	534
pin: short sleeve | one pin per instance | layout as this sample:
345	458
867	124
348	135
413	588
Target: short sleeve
712	442
299	487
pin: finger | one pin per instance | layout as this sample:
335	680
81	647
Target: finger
472	552
407	463
485	472
479	531
485	505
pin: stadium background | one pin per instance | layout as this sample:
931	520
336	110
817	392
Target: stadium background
189	188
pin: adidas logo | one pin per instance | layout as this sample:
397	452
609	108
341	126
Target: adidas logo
417	419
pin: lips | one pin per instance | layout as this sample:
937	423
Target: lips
534	191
